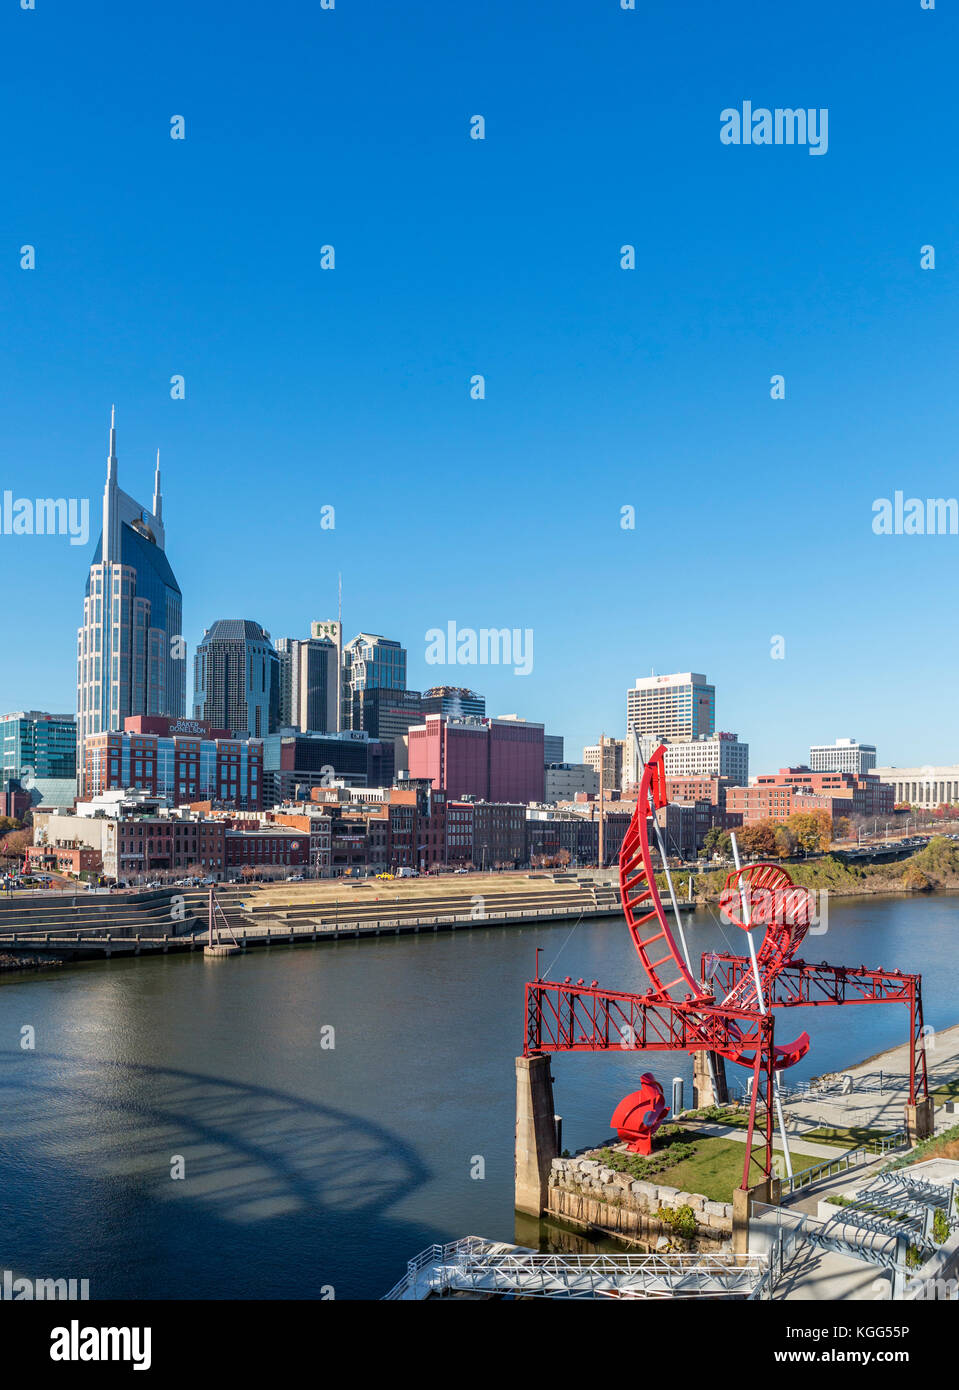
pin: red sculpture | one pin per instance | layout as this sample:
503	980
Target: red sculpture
638	1116
728	1010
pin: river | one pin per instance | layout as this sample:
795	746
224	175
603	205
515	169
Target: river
313	1170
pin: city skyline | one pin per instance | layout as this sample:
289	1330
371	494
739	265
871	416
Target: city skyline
461	672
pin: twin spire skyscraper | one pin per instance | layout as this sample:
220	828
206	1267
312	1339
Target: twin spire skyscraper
131	655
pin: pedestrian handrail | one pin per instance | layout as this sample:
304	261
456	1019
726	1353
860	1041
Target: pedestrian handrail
852	1158
473	1263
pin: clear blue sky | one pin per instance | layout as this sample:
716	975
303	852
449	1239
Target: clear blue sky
605	388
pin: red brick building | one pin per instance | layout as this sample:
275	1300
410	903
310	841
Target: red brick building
711	789
184	760
68	859
863	793
267	847
778	795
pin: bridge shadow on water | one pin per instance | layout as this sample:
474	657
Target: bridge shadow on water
282	1197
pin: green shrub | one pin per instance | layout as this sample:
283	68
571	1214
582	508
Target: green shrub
681	1220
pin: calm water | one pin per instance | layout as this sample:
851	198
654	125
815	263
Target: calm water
308	1167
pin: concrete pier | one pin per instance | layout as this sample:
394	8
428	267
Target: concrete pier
920	1120
535	1133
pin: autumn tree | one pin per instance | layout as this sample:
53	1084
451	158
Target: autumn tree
786	841
813	829
717	841
14	844
759	840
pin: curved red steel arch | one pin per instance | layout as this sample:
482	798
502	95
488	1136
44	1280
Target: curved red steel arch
767	890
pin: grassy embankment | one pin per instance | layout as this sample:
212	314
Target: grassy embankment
936	867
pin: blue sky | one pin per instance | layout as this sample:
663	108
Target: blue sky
605	388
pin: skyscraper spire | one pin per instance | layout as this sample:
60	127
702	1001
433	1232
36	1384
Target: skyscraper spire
157	495
111	510
112	458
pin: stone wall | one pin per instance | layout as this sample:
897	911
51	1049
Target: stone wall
584	1191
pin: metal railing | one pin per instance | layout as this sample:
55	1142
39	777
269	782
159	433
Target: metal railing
472	1266
853	1158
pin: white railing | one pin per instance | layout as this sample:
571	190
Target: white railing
471	1265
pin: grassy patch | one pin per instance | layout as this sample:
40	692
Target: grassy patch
948	1091
687	1160
714	1170
946	1145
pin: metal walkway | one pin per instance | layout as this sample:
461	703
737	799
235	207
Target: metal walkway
478	1267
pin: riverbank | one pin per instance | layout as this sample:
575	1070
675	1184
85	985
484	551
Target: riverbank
11	962
933	869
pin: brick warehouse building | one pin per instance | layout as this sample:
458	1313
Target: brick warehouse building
779	794
183	760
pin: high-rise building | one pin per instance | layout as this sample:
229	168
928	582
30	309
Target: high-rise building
370	662
40	752
713	755
553	749
332	630
845	755
454	701
237	679
131	657
613	754
298	762
388	713
682	705
309	677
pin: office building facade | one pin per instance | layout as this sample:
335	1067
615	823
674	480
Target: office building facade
39	751
564	781
845	755
613	758
370	662
237	679
294	764
182	760
553	748
715	755
309	684
682	705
